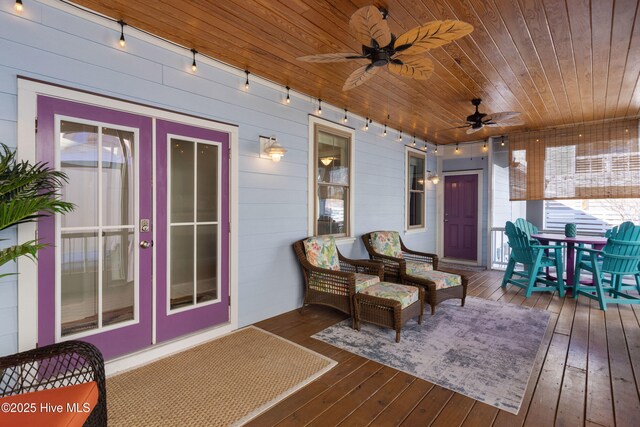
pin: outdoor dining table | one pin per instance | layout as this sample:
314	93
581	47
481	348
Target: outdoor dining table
595	241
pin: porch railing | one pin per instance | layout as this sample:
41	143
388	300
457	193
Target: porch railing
500	250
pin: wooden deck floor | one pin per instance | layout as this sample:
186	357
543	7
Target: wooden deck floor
589	374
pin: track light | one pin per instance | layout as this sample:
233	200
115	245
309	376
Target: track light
319	107
246	82
18	6
346	119
122	41
194	66
366	123
288	100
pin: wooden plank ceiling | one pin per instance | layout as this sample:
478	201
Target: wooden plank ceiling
557	62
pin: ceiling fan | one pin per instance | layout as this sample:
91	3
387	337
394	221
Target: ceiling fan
401	55
478	120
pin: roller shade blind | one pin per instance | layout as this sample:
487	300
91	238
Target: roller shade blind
595	161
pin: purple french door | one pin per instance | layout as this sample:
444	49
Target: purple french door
94	278
461	217
193	234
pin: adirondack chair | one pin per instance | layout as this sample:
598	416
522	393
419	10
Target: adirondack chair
619	258
527	227
534	260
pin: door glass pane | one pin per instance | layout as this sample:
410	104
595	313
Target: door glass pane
182	259
79	160
117	177
79	293
333	158
207	183
118	276
207	263
332	202
182	181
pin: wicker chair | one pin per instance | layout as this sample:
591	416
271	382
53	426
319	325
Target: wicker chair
54	366
394	265
334	288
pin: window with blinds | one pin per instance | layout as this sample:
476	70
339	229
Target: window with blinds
593	161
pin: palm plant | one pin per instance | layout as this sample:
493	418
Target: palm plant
27	192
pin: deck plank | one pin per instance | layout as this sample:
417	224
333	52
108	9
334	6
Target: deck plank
585	374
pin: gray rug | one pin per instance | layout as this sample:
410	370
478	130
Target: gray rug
484	350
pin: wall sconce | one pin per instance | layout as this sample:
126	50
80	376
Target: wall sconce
433	178
270	149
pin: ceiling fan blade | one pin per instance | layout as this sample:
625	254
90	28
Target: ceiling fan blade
455	127
473	130
415	67
330	57
503	116
360	76
431	35
367	24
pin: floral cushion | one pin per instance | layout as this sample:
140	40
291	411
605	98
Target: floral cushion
440	278
363	281
406	295
416	267
386	243
322	252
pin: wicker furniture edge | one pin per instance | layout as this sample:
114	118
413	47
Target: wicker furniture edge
334	288
387	312
394	266
53	366
436	296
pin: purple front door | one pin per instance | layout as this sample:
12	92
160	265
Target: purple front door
94	280
193	234
461	217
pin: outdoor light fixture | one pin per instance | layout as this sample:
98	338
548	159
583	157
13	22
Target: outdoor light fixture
194	66
484	146
433	178
413	144
288	100
436	150
366	123
319	107
271	149
400	139
385	130
346	119
122	41
457	149
18	6
246	82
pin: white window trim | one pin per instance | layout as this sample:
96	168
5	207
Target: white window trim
28	91
407	228
311	203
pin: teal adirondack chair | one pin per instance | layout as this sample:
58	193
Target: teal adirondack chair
532	256
619	258
526	226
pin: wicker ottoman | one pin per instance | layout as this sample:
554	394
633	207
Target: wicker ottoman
389	305
439	285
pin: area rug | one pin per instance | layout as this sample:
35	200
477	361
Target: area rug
484	350
224	382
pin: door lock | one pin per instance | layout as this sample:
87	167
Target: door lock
144	225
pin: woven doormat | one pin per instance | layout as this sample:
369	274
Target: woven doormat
224	382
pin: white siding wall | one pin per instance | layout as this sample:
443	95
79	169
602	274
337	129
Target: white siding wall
53	45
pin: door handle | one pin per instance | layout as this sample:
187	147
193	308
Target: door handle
446	220
145	244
